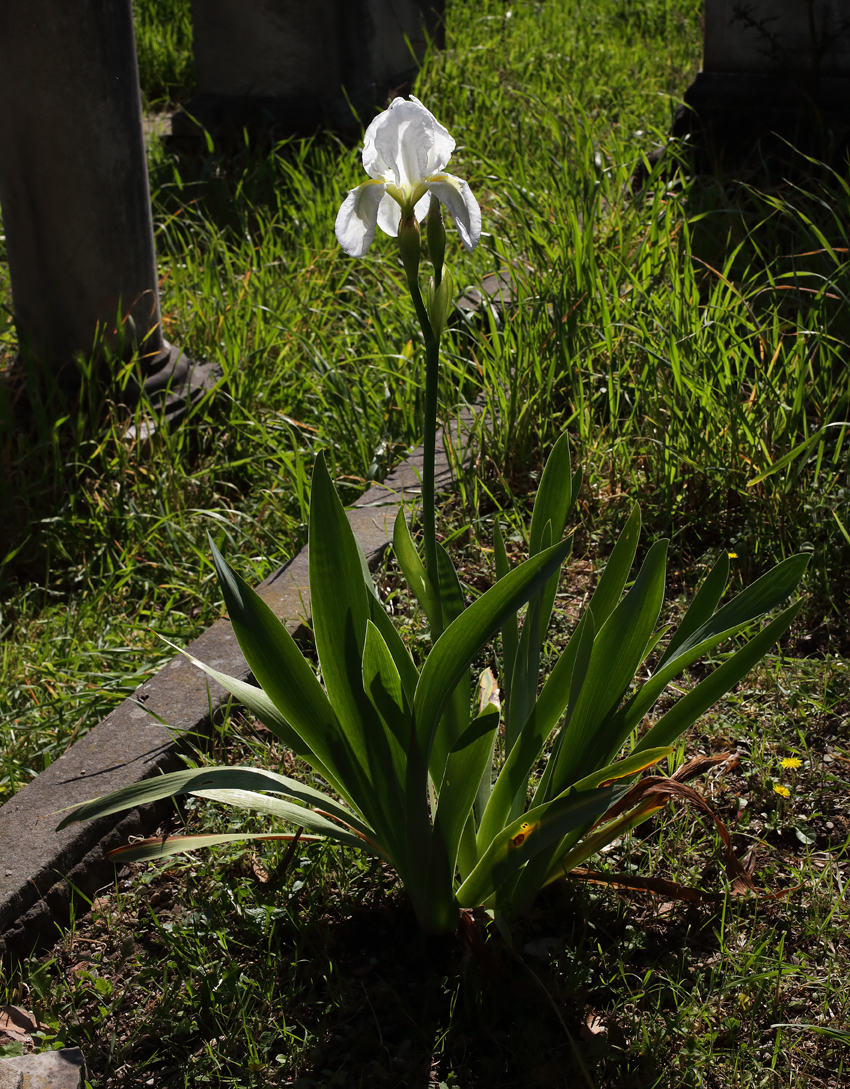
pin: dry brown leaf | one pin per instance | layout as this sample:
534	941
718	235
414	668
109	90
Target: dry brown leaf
654	791
259	870
658	885
16	1024
593	1027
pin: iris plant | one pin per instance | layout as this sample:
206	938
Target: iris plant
478	793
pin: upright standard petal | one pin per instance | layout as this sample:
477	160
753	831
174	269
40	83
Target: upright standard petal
405	143
458	198
357	218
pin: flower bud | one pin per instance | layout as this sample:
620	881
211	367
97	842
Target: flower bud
440	301
436	234
410	246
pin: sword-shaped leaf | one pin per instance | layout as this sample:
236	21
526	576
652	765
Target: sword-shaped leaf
458	645
157	847
535	831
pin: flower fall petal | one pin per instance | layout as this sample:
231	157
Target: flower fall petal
458	198
358	216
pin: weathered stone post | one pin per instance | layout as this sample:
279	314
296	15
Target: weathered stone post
294	66
774	67
74	186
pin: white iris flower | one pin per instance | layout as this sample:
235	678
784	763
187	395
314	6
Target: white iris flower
405	152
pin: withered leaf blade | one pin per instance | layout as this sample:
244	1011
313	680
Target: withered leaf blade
654	791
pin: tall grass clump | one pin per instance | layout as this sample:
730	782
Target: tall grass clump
164	50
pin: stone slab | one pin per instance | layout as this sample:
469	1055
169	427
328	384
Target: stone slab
65	1069
42	870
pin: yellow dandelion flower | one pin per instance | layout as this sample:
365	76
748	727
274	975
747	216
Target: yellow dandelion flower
792	762
782	791
732	555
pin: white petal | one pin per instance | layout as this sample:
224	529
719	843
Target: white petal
356	219
405	144
389	215
442	143
422	206
458	198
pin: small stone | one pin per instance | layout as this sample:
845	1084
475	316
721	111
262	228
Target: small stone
543	948
65	1069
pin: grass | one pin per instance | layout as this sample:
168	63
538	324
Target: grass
693	340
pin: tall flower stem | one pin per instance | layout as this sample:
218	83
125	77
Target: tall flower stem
432	367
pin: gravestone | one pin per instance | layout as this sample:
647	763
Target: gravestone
292	66
774	70
74	188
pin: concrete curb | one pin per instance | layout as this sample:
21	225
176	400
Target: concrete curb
41	870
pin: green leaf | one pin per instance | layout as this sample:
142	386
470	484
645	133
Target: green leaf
688	709
801	449
552	502
524	680
465	766
457	646
585	635
168	846
625	768
285	811
455	718
512	781
765	594
260	705
510	631
401	655
700	638
552	506
616	572
540	828
285	676
340	607
391	728
415	574
701	608
192	780
617	652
